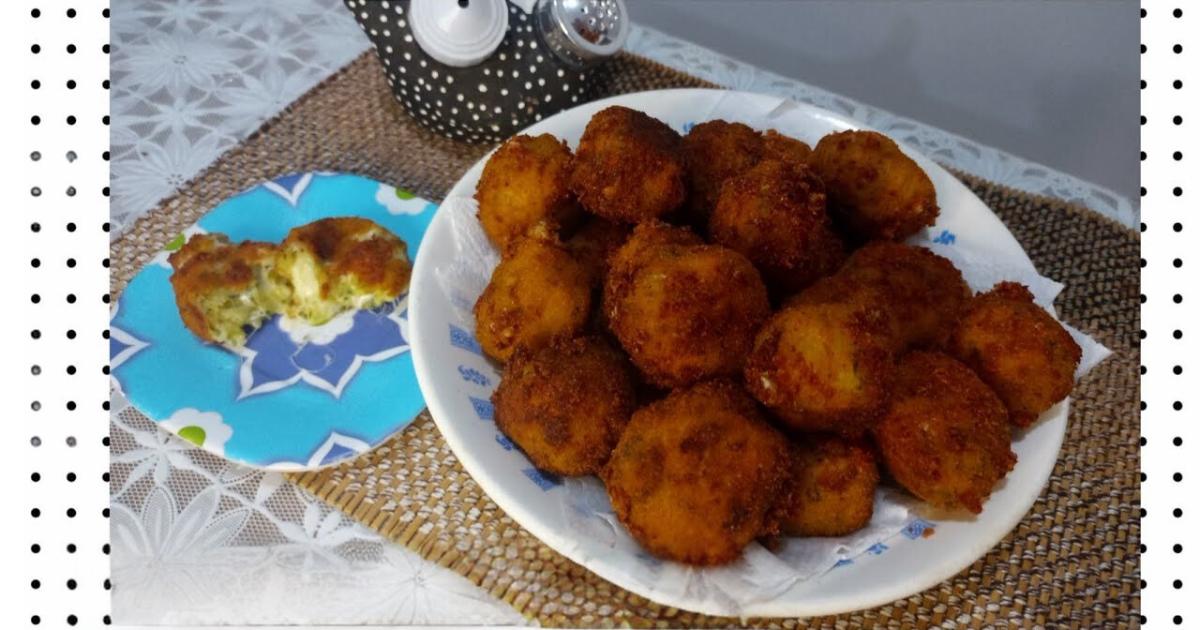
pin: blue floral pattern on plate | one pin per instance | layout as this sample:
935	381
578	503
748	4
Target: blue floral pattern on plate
296	396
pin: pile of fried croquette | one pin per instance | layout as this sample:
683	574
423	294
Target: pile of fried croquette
728	330
323	268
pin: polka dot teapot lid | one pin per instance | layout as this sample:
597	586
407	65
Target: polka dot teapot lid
482	70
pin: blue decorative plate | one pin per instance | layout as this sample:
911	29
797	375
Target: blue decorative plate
297	396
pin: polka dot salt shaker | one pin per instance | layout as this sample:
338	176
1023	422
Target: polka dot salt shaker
482	70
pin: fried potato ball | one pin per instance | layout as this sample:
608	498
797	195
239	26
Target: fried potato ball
696	476
594	243
340	263
774	214
523	184
925	291
945	437
778	146
833	487
824	366
714	151
683	310
875	190
566	404
222	288
537	294
628	166
1018	349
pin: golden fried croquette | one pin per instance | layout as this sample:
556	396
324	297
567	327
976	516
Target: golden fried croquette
222	288
774	214
778	146
1018	349
523	184
340	263
945	437
833	486
594	243
824	366
875	190
683	310
566	404
713	152
925	291
537	294
628	166
696	476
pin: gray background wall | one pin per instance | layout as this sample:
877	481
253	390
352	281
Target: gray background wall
1049	80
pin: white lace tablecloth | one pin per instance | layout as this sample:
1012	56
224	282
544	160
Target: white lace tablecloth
197	540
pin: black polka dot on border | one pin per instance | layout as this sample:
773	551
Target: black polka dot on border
1177	13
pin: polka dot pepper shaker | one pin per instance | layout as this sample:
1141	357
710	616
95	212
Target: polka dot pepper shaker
482	70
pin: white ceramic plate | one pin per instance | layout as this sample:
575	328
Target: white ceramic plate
457	382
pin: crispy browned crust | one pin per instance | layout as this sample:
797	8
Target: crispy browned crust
594	243
684	311
785	148
1018	349
945	437
354	246
824	366
714	151
209	263
774	214
832	486
537	294
925	291
696	476
875	190
628	166
566	404
525	183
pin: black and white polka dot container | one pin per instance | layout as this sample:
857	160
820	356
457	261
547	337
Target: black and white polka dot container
482	70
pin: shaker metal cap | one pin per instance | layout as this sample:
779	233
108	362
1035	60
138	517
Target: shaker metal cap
583	32
459	32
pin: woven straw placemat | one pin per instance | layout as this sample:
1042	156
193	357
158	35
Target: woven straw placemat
1072	561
